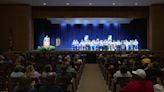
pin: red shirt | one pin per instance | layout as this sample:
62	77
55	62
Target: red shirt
137	86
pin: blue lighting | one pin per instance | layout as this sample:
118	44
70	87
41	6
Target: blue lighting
85	24
63	24
95	24
72	24
116	24
106	24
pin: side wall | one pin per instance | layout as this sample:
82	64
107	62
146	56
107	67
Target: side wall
15	27
156	24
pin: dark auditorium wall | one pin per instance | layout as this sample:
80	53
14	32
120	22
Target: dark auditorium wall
71	12
15	23
156	19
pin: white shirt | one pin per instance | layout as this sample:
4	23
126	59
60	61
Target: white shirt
118	74
16	74
158	88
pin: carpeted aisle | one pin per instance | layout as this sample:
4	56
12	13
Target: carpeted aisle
92	80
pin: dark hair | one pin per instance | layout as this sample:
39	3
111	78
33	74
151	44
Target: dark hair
48	68
24	85
161	77
123	69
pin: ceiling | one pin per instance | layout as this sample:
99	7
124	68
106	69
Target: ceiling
84	2
89	20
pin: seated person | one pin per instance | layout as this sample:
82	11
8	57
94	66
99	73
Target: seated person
152	71
17	73
123	72
25	85
159	87
2	58
30	72
139	83
48	70
50	86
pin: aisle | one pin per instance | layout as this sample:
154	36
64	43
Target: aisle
92	80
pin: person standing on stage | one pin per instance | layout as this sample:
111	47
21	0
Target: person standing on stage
77	45
131	45
101	45
97	44
127	44
123	46
82	45
73	44
136	44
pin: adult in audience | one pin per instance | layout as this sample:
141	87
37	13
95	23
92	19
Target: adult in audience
2	58
123	72
50	86
139	83
48	70
25	85
30	72
159	86
17	73
152	71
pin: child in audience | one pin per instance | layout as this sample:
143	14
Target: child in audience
159	87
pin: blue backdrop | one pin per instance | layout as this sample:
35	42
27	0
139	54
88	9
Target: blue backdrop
137	29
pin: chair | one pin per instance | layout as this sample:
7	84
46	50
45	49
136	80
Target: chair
117	85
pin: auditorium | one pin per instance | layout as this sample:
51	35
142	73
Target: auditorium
82	46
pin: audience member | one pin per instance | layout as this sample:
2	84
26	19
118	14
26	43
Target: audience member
30	72
48	70
139	83
159	86
17	73
50	86
123	72
25	85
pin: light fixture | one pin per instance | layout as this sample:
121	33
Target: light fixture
113	4
44	4
67	3
135	3
90	4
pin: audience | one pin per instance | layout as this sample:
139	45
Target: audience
159	86
17	73
50	86
152	71
48	70
31	73
123	72
139	83
25	85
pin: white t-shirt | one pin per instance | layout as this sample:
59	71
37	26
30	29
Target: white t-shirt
16	74
118	74
158	88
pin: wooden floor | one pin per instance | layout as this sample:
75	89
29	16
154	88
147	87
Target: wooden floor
92	80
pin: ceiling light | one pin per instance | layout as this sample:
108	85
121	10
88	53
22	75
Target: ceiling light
90	3
67	3
113	3
44	3
136	3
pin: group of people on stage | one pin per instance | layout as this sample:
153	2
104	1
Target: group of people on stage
105	45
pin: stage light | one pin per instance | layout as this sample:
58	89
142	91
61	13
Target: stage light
44	4
72	24
84	24
63	24
95	24
106	24
116	24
